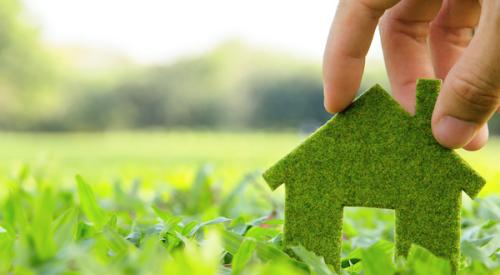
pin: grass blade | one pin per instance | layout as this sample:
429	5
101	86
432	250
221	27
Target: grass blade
89	205
423	262
42	226
243	256
316	264
376	261
65	227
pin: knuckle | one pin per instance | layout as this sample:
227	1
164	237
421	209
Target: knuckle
476	92
457	36
378	5
417	30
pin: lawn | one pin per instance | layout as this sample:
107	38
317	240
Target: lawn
172	157
192	203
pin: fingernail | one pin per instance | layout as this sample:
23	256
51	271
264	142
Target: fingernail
454	133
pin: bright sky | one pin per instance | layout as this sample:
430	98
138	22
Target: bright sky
151	31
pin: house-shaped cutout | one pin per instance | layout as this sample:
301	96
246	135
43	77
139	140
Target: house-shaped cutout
375	154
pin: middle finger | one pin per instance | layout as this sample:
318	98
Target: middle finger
404	30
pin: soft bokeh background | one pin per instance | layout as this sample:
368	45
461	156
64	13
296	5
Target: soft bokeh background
170	110
154	89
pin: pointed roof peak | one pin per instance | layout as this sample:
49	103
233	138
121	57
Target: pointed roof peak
377	98
426	94
373	130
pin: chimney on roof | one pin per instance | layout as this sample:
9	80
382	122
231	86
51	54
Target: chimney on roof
427	92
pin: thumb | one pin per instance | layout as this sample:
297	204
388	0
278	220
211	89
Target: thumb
471	92
465	104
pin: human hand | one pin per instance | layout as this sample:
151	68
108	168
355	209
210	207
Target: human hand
423	39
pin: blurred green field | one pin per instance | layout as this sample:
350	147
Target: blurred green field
151	157
158	157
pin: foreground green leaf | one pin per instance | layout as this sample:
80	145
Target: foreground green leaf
316	264
89	204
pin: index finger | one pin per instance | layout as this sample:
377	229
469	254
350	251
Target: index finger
350	37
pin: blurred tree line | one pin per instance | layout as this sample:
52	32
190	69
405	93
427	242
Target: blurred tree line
230	87
27	69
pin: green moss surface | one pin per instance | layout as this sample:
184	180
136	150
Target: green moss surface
375	154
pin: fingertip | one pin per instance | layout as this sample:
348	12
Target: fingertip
329	107
335	102
340	87
333	106
461	112
452	132
479	140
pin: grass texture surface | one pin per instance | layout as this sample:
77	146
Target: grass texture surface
375	154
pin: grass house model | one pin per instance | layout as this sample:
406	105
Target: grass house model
375	154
